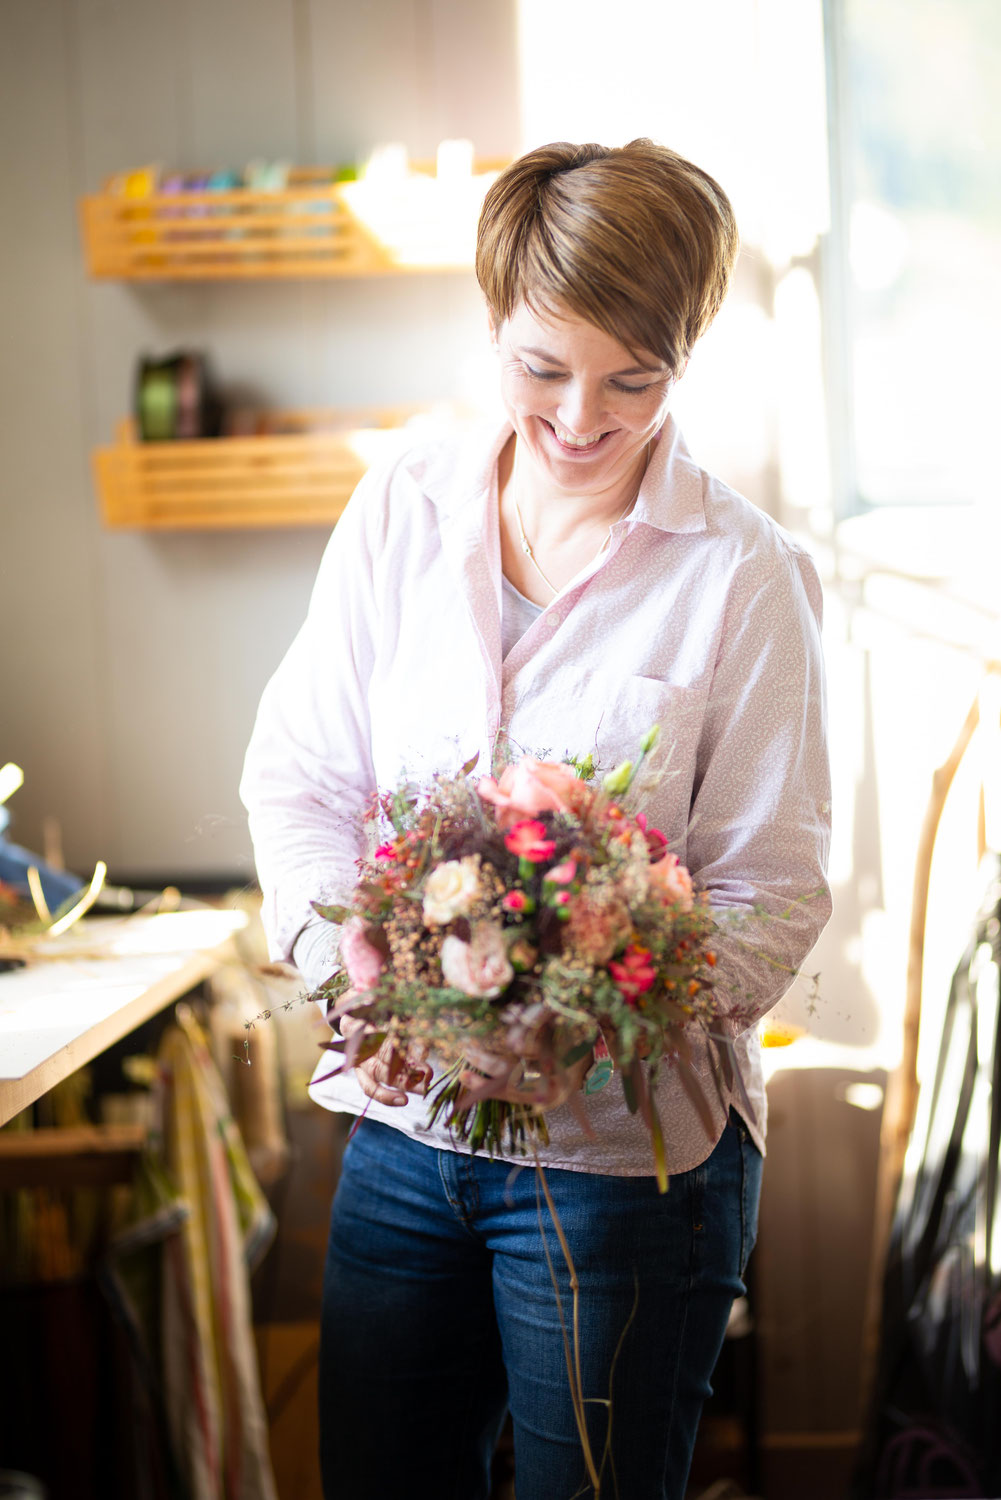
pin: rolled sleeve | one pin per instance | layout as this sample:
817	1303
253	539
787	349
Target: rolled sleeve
759	831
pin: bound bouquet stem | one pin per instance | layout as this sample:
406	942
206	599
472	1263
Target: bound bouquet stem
514	927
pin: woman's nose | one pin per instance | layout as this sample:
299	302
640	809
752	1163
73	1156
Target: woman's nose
581	409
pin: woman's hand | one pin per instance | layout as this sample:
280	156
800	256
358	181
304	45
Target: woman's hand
389	1075
526	1084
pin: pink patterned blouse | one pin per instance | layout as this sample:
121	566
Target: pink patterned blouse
702	615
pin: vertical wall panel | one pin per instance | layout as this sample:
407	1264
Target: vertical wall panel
368	72
182	613
474	62
130	66
52	708
240	88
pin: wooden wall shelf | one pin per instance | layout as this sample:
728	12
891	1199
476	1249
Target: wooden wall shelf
300	475
313	228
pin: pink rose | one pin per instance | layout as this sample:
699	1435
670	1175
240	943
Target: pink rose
362	961
479	967
533	786
671	882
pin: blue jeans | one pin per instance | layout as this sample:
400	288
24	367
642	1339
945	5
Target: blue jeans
439	1314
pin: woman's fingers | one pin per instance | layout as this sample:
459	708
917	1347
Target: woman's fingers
525	1084
387	1076
377	1076
490	1064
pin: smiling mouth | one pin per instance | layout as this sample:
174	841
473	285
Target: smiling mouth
576	444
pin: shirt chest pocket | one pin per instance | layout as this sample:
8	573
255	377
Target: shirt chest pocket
632	705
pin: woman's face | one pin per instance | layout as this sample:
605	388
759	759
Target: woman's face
583	407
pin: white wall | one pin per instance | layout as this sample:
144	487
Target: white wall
130	662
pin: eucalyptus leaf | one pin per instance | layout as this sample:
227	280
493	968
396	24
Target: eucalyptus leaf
657	1138
336	914
576	1053
629	1090
692	1084
361	1046
639	1079
747	1108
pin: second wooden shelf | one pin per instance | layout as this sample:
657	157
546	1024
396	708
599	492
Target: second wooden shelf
299	473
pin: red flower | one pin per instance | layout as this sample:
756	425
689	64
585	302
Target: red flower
528	840
517	901
386	851
634	974
656	841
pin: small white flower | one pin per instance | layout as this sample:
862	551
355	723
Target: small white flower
634	877
451	890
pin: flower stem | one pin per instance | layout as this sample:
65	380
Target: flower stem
572	1362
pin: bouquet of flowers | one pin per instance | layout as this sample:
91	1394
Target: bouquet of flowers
516	926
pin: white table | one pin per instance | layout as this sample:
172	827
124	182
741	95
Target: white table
101	980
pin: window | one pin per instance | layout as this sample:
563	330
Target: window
912	310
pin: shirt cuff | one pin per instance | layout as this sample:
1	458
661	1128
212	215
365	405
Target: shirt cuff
315	951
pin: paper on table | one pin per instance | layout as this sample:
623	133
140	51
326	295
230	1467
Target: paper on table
48	1005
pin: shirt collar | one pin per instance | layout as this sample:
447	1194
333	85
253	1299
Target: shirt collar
671	494
454	475
670	497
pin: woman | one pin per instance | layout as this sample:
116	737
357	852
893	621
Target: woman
565	580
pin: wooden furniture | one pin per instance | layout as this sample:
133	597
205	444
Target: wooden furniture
315	227
83	1156
299	473
109	977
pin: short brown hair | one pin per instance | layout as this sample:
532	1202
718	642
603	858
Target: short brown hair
633	239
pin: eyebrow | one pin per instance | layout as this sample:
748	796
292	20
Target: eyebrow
633	369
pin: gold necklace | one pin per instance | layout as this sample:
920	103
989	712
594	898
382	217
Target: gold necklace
526	545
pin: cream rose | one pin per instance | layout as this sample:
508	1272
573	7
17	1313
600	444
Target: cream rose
479	967
451	889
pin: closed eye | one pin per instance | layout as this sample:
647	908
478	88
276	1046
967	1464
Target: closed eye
634	390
